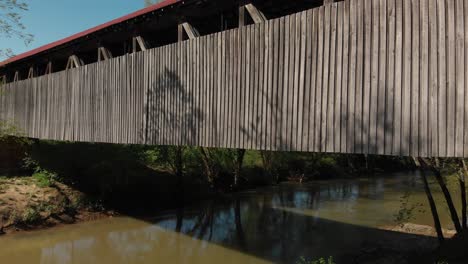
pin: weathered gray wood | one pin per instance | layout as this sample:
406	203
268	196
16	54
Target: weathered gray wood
451	77
390	83
460	77
406	85
374	77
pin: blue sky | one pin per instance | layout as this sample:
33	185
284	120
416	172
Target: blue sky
51	20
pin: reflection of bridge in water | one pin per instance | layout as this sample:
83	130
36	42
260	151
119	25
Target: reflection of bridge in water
359	76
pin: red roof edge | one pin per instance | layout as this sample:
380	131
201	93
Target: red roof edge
89	31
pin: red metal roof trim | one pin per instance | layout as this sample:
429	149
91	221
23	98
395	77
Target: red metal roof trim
89	31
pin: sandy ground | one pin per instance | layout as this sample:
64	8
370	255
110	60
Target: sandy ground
25	205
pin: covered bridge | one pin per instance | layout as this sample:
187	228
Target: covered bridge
384	77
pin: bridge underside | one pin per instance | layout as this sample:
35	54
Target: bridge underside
384	77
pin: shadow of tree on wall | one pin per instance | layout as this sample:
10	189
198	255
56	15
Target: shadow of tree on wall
173	118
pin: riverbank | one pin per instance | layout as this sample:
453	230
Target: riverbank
33	203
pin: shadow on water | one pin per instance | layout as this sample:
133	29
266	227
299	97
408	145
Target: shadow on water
271	225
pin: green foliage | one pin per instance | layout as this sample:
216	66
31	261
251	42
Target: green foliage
11	25
31	216
44	178
303	260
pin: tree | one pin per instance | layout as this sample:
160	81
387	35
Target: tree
11	25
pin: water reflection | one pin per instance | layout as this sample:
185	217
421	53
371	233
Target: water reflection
271	225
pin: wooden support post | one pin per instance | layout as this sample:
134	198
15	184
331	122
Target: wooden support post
48	69
257	16
104	54
16	77
139	42
74	62
180	33
31	72
241	16
189	30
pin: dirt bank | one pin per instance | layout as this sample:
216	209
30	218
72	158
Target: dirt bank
28	203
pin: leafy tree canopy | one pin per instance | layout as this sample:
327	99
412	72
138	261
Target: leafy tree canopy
11	25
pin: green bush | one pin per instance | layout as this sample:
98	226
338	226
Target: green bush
44	178
302	260
31	216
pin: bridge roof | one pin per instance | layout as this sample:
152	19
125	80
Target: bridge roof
89	31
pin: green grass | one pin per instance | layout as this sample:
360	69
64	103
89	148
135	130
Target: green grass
44	178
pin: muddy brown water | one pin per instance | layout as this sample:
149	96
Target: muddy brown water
279	224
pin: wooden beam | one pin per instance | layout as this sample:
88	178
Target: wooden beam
139	42
16	76
104	54
3	79
257	16
328	2
241	16
48	69
31	72
74	62
190	30
180	33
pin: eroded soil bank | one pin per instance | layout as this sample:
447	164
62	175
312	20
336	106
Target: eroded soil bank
29	203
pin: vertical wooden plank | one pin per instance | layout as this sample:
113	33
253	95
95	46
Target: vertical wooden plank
424	78
465	148
451	77
296	111
460	77
406	87
275	85
382	77
390	83
344	86
285	119
433	82
281	85
319	76
352	78
415	81
358	146
290	115
307	76
270	89
331	81
367	80
398	78
325	79
248	105
339	76
261	61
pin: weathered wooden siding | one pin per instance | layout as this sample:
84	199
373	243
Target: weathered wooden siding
361	76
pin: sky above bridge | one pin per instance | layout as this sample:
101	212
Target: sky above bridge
51	20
